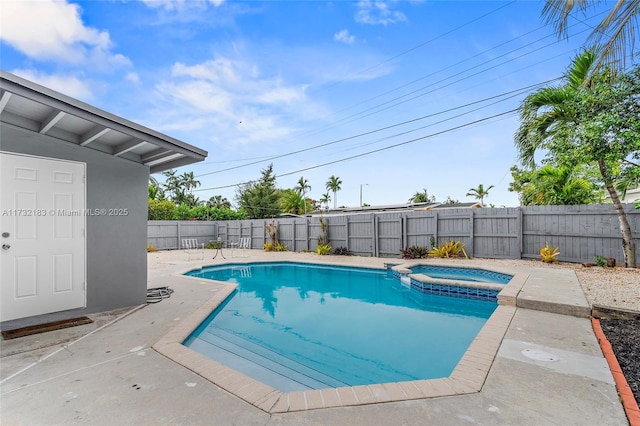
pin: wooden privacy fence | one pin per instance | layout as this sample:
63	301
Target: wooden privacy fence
168	234
581	232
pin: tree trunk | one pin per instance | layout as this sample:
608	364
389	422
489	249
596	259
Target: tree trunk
628	246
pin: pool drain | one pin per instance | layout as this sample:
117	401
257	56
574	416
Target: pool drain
537	355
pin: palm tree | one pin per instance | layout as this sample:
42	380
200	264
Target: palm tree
188	181
325	199
291	201
613	35
302	187
219	202
479	193
543	112
155	191
559	186
333	184
551	114
422	197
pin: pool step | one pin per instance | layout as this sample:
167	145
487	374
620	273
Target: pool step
254	360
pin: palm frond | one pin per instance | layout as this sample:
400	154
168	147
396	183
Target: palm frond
581	68
556	13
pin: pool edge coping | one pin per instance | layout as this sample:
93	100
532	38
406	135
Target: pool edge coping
467	377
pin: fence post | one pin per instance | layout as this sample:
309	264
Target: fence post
293	232
519	225
346	232
435	230
471	230
374	222
178	234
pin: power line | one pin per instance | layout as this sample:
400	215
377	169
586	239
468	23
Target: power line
425	43
517	91
372	151
264	159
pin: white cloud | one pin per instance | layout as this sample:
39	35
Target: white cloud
181	4
344	37
377	12
66	84
53	30
232	97
132	77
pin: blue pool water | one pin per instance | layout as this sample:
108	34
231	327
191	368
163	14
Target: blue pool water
301	326
462	274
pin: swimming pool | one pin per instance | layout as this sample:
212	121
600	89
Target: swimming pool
303	326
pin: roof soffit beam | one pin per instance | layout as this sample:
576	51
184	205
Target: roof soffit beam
51	121
127	146
155	155
172	156
4	99
93	134
173	164
79	109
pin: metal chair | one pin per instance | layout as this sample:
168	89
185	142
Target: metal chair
191	246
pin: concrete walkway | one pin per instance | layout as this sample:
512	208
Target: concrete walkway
107	373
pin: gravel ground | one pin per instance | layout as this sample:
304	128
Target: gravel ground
624	335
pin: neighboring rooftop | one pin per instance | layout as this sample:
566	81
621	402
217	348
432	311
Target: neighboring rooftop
399	208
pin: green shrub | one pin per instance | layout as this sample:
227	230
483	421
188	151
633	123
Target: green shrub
549	254
414	252
324	249
449	249
212	245
274	247
342	251
161	210
151	249
601	260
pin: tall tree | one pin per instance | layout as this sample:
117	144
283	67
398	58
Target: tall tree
302	186
592	118
259	198
554	185
422	197
291	201
188	181
218	201
614	35
325	199
334	185
479	193
179	187
155	190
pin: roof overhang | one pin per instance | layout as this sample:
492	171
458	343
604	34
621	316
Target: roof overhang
34	108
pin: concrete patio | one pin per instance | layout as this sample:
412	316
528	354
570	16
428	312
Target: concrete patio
108	373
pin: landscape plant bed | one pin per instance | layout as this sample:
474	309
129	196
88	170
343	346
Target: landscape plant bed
624	336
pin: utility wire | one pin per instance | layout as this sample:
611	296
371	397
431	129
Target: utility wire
451	129
349	78
264	159
517	91
343	121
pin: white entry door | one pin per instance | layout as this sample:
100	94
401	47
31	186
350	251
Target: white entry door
42	233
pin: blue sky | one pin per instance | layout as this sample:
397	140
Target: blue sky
390	96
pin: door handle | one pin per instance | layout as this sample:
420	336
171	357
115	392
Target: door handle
6	247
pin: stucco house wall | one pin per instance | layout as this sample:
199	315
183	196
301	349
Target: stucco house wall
116	256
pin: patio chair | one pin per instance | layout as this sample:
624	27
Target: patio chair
243	243
191	246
